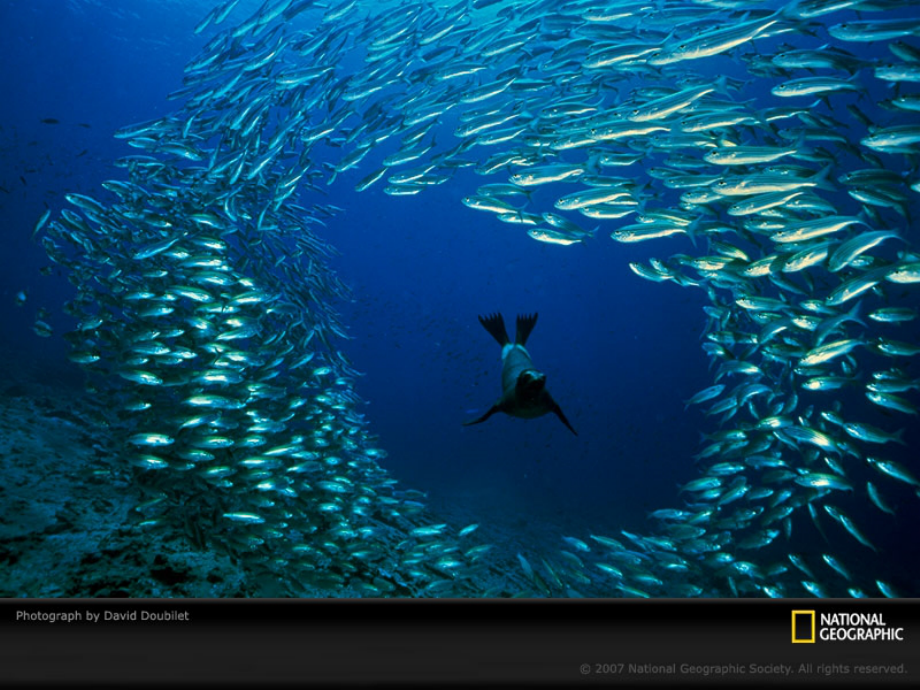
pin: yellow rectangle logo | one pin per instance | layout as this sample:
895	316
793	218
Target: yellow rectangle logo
803	627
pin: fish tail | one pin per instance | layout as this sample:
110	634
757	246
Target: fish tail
822	179
692	228
853	314
495	325
592	165
525	324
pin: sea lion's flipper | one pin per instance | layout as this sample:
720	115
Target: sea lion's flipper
495	324
525	324
492	410
561	415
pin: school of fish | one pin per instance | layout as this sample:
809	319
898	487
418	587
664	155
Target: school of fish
205	308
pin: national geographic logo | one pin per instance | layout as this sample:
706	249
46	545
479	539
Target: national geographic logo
803	627
807	628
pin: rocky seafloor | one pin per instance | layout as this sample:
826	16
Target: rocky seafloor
66	529
65	501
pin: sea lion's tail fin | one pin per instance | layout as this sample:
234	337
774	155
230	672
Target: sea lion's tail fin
492	410
495	324
525	324
561	415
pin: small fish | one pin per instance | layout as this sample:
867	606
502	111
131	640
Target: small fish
705	394
430	531
245	518
525	566
892	402
578	544
815	589
887	590
836	565
150	439
799	563
41	222
876	497
469	529
894	470
872	434
850	527
42	329
817	480
702	484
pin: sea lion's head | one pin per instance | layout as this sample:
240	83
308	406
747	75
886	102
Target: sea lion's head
530	384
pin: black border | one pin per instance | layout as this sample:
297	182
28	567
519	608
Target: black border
401	643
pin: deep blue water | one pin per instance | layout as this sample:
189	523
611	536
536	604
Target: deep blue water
621	354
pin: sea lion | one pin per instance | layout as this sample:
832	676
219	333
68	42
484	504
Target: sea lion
524	391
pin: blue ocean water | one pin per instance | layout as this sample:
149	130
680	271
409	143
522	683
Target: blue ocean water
622	355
